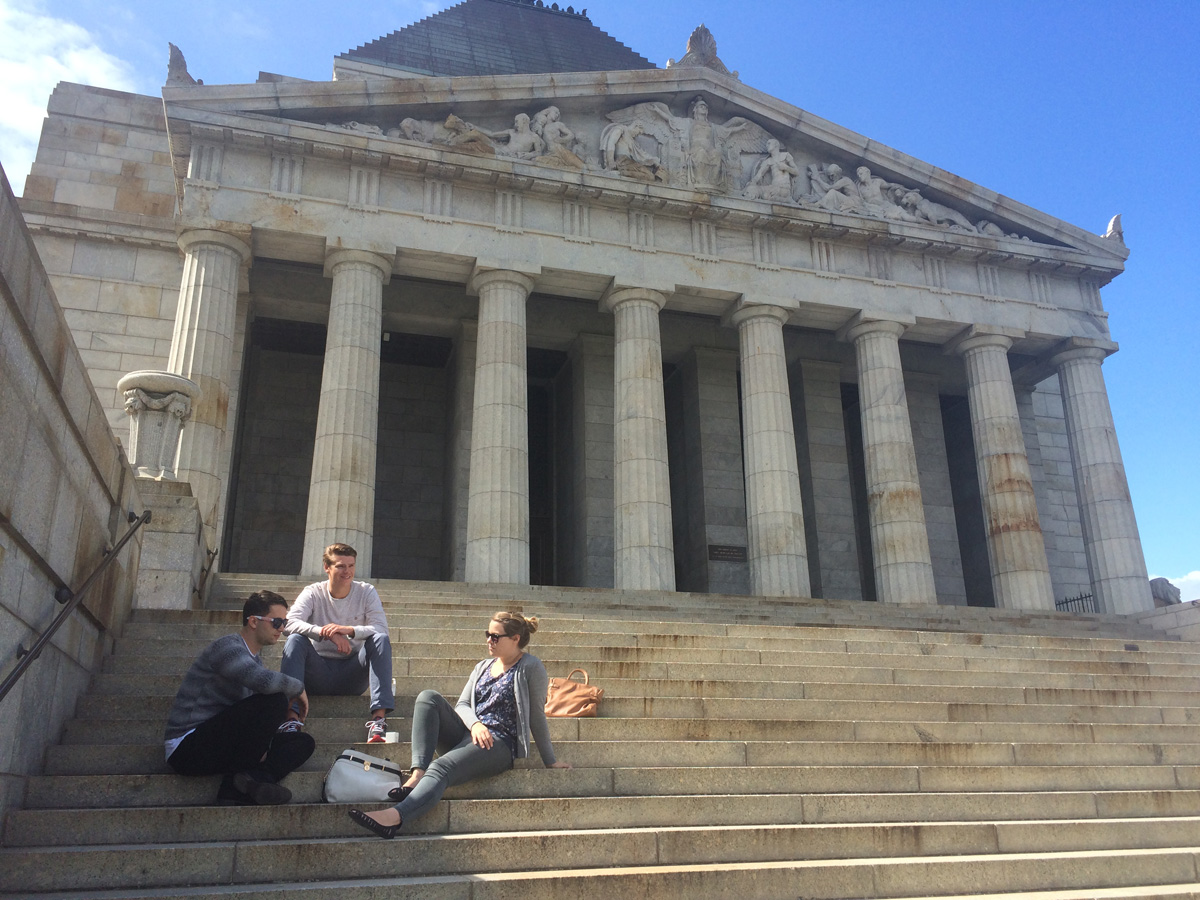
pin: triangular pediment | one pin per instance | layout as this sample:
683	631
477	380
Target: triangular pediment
738	152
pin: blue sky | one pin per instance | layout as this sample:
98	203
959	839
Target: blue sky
1081	109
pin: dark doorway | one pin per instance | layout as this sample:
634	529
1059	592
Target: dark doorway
543	366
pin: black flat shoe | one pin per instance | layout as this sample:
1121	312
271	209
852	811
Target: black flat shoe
387	832
398	793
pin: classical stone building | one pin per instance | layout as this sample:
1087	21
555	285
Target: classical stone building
503	302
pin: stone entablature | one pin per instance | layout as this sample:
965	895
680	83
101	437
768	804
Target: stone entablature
1039	285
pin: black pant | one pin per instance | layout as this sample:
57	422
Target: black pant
235	739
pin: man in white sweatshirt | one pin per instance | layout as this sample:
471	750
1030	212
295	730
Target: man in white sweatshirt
338	641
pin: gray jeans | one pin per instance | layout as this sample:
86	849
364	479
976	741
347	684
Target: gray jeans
435	725
324	677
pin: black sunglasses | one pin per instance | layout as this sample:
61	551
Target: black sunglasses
277	623
492	638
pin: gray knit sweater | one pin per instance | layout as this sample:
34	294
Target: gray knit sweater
224	673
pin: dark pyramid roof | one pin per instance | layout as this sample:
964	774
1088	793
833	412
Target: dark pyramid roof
501	37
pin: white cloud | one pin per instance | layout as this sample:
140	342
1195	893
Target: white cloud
36	52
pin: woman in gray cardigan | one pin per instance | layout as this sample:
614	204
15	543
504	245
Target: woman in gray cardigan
503	702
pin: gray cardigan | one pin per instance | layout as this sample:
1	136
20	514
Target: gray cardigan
530	683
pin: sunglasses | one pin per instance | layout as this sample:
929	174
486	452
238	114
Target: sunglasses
492	638
276	623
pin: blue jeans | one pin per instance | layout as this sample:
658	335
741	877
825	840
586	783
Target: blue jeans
343	677
435	725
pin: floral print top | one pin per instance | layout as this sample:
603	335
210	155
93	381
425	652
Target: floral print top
496	705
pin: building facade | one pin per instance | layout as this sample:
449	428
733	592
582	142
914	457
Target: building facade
586	325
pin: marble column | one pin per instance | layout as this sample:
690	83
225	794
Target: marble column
774	511
498	497
643	547
1110	532
1016	548
899	543
202	351
341	494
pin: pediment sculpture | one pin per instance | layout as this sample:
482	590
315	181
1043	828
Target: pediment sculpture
694	151
544	138
869	195
647	142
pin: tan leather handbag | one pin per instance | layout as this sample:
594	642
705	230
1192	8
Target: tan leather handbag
572	699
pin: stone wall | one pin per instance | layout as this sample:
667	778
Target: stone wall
65	492
103	173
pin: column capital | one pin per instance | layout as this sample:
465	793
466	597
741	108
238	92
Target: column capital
340	255
867	321
193	236
1082	348
742	311
981	336
615	296
481	278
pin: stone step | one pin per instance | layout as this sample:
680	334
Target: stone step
312	821
878	710
130	758
407	688
566	627
107	790
690	669
159	641
95	711
1009	855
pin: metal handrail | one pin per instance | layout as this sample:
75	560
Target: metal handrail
72	600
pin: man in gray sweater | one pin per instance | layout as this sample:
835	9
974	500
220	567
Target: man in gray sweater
226	714
338	641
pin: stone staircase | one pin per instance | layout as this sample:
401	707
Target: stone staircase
747	748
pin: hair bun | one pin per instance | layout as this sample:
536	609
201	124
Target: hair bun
532	622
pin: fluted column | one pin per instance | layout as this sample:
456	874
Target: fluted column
774	512
1110	532
202	351
1016	548
899	542
498	497
643	547
341	494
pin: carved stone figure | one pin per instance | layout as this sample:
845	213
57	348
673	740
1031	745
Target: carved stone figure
520	141
773	177
1163	592
696	152
832	190
621	153
926	211
879	196
177	72
466	137
360	127
562	149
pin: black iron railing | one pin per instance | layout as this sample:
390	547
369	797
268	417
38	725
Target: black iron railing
70	600
1084	603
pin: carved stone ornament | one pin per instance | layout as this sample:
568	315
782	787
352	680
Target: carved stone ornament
158	403
701	53
177	70
1164	593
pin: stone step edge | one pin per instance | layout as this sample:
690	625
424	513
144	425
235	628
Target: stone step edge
642	876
